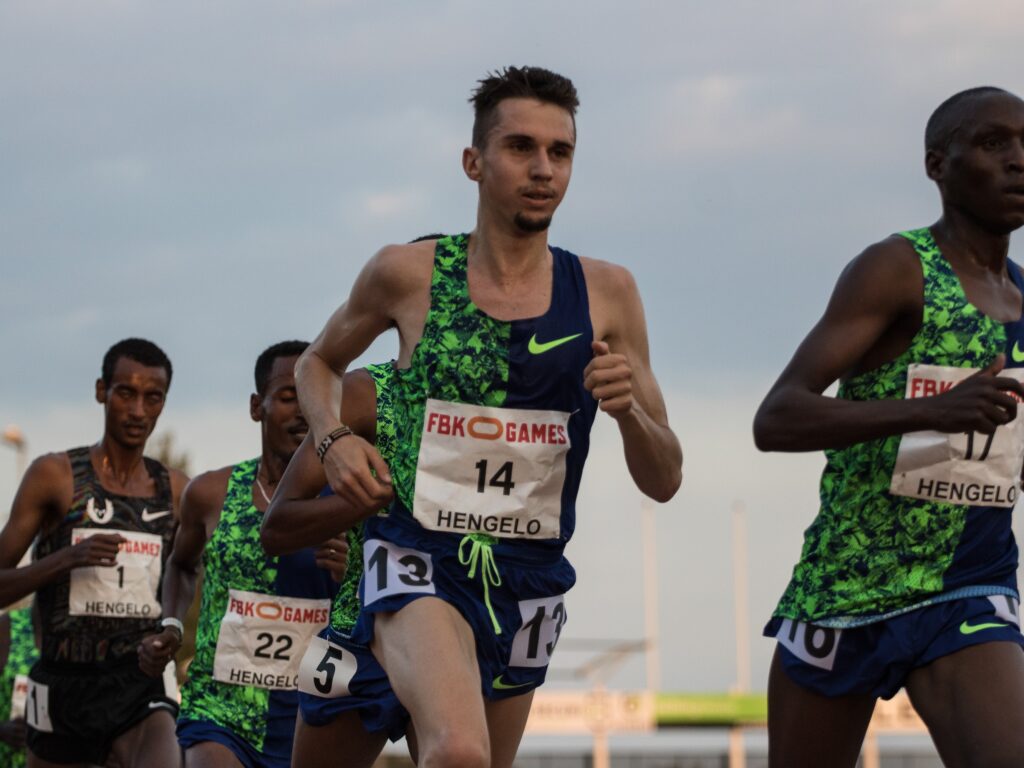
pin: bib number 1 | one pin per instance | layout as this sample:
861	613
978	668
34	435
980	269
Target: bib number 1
37	707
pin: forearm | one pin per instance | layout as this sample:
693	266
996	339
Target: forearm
792	419
291	524
179	588
319	390
16	583
653	455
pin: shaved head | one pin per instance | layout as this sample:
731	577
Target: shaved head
950	115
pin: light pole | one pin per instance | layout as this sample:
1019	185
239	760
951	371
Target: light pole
14	437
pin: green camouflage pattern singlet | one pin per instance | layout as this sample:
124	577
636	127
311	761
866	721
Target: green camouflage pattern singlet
345	607
22	655
870	554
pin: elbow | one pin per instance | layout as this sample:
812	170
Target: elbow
668	484
270	538
767	434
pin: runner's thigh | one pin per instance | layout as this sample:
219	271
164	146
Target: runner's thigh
973	703
809	730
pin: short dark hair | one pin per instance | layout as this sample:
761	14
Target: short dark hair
267	357
519	82
949	116
141	351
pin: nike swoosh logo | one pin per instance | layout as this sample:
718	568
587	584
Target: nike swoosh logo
968	629
1016	354
539	348
148	516
500	686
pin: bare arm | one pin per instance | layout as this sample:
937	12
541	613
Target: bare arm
386	294
198	512
298	516
45	495
620	377
876	292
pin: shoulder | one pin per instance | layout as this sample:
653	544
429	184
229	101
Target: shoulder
402	265
206	491
887	272
50	468
607	279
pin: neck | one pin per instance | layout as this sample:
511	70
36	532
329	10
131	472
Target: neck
272	466
505	254
966	239
118	461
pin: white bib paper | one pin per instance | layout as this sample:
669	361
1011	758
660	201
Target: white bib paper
262	638
498	471
972	468
326	669
19	694
37	707
126	590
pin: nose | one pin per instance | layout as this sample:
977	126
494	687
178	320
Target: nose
1015	160
136	407
541	166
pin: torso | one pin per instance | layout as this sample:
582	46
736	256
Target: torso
95	615
470	361
884	540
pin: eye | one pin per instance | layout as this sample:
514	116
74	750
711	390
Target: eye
993	143
154	398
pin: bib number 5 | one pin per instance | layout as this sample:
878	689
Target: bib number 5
326	669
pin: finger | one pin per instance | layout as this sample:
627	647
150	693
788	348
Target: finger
1010	385
612	390
994	367
380	467
1007	403
599	348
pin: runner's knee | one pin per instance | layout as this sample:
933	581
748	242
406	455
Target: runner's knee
456	750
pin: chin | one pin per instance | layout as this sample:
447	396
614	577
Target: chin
526	224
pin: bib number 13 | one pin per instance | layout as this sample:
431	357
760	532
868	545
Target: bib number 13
534	643
392	570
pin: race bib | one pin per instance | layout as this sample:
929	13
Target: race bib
965	468
19	695
262	638
37	706
498	471
326	669
813	645
392	570
125	590
543	619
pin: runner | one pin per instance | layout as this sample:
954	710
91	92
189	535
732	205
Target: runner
465	579
257	612
908	574
18	652
348	708
104	517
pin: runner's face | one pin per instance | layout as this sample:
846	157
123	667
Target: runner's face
278	410
133	401
984	169
524	167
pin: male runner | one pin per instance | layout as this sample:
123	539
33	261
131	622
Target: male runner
257	612
908	574
104	517
348	708
18	652
509	347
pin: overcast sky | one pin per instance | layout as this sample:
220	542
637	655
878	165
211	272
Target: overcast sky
212	175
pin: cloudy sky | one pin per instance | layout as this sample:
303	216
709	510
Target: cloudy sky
212	176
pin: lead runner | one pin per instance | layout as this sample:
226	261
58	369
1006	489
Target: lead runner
509	347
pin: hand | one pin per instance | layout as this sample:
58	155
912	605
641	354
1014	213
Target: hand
13	733
350	464
980	403
156	650
609	378
97	550
332	555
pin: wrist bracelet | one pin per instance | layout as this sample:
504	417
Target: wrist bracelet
327	442
174	624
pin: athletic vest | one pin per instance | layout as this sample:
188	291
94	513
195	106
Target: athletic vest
911	520
95	615
14	680
492	419
255	617
345	608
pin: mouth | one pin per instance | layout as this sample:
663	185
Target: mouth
135	430
539	195
299	431
1016	190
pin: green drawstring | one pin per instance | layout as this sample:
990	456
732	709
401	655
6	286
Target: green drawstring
480	554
